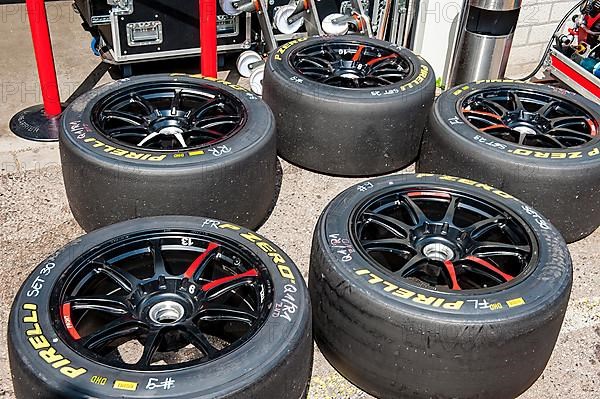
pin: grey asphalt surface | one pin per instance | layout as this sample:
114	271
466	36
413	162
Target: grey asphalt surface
35	219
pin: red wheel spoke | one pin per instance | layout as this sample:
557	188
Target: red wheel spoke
65	314
200	261
358	53
376	60
489	266
452	273
482	113
221	281
485	129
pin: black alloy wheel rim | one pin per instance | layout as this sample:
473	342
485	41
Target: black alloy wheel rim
169	116
351	65
443	240
529	118
162	300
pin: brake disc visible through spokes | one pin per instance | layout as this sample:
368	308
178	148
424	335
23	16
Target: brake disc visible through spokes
444	239
163	300
169	116
529	118
351	65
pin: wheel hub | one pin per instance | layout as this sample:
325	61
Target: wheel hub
527	123
438	251
166	312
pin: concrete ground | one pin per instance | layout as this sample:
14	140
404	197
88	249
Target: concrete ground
35	219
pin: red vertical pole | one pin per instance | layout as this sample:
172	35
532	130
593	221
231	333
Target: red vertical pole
42	46
208	37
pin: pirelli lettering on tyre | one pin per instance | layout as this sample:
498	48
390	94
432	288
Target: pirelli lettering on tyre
424	72
143	156
556	155
266	247
41	344
281	50
407	294
468	182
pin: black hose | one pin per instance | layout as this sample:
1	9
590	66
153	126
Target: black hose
558	28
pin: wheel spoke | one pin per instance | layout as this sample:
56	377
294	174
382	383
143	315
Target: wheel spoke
123	279
148	138
122	116
391	224
569	120
317	62
207	132
547	108
198	339
180	139
417	215
486	249
135	131
220	286
551	140
495	117
176	102
313	70
389	75
451	270
412	264
467	266
332	79
196	268
487	265
317	75
207	123
136	98
118	329
389	62
153	340
107	304
211	105
377	60
227	313
493	106
495	127
569	132
157	258
516	100
378	79
483	227
388	244
451	211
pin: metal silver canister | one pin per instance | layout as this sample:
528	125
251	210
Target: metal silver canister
485	40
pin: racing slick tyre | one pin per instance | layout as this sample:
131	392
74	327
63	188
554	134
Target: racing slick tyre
169	145
350	105
428	286
538	143
163	307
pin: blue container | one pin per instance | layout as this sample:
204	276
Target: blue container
592	65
